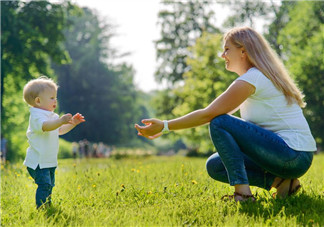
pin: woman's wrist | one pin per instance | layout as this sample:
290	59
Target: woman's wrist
165	129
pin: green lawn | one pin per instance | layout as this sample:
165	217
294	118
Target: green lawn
153	191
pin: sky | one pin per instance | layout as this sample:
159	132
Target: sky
137	29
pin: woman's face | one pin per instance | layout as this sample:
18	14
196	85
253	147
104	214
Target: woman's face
234	58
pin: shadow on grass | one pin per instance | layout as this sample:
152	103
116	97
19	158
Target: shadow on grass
55	215
307	209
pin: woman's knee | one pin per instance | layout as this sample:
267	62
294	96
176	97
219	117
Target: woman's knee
209	165
214	165
216	124
219	119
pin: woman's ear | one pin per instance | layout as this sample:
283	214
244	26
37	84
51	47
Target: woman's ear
243	53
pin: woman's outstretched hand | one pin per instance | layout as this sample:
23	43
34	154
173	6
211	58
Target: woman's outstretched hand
151	129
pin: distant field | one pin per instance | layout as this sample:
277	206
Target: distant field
152	191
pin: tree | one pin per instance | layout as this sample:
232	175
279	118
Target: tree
104	94
302	41
27	42
31	34
280	20
206	79
181	24
247	11
296	33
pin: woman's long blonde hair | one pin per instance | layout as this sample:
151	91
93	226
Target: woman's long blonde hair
264	58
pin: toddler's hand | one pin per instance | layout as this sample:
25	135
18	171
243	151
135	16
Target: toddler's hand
66	118
77	119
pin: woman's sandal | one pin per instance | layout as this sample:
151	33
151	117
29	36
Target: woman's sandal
245	197
291	191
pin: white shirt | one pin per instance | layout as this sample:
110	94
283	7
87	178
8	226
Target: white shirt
268	108
43	146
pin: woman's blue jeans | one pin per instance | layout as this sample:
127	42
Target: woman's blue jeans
249	154
45	179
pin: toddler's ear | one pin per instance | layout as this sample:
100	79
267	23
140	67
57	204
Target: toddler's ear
37	101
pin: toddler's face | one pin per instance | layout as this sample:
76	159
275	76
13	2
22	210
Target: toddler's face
47	100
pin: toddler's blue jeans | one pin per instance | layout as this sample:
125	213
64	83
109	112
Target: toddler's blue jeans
45	179
249	154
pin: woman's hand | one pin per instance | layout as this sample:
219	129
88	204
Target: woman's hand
152	128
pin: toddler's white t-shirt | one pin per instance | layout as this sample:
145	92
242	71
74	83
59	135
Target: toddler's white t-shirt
43	146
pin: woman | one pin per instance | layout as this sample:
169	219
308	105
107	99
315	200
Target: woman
271	146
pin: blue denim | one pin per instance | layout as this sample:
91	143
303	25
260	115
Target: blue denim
45	179
249	154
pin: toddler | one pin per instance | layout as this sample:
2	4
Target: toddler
43	132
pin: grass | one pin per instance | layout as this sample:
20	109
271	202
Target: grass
152	191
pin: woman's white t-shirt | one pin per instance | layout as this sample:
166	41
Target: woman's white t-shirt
43	146
268	108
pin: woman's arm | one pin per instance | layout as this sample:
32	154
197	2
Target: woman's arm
228	101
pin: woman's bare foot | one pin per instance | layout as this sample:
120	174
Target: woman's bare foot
285	187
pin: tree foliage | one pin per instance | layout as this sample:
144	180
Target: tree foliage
37	35
247	12
31	34
295	31
181	24
27	42
206	80
104	94
280	20
302	40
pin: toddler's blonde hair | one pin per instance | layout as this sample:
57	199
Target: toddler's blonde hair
34	87
264	58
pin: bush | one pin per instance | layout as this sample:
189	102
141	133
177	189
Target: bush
65	150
